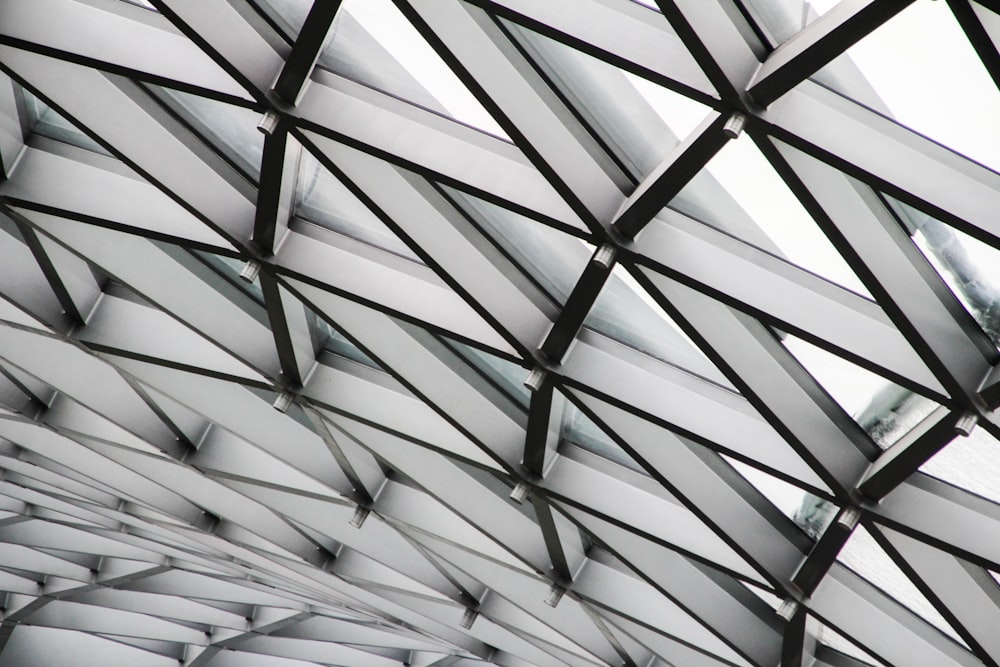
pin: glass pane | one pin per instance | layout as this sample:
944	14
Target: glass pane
863	555
229	129
506	375
552	259
971	463
740	193
321	198
640	122
45	121
809	512
970	267
942	92
884	409
373	43
578	429
625	312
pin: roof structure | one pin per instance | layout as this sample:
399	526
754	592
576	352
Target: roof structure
518	332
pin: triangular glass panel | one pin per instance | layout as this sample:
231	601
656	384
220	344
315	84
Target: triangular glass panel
337	343
863	555
371	42
967	265
501	373
809	512
229	130
971	463
551	259
740	193
323	199
884	409
627	313
783	19
929	79
638	121
578	429
45	121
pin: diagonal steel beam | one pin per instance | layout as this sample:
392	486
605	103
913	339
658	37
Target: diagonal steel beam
306	50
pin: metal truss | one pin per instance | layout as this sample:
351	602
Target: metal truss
233	435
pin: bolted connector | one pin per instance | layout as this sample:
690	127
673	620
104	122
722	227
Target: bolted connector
966	423
734	125
788	609
468	618
250	271
268	122
535	379
360	514
555	595
849	517
284	401
605	256
519	493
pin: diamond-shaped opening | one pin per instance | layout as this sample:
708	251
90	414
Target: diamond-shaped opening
627	313
740	193
638	121
371	42
228	129
863	555
928	77
47	122
809	512
881	407
323	199
969	267
783	20
971	463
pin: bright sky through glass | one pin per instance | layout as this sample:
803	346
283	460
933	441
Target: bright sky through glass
927	73
387	25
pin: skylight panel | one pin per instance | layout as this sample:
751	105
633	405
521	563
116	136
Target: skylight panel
971	463
372	29
921	65
322	198
884	409
740	192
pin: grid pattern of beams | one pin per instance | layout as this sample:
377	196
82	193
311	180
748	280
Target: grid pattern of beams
398	380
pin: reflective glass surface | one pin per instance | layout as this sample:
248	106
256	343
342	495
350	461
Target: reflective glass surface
863	555
229	129
884	409
971	463
970	267
48	123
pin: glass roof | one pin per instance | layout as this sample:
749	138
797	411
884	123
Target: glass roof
497	332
